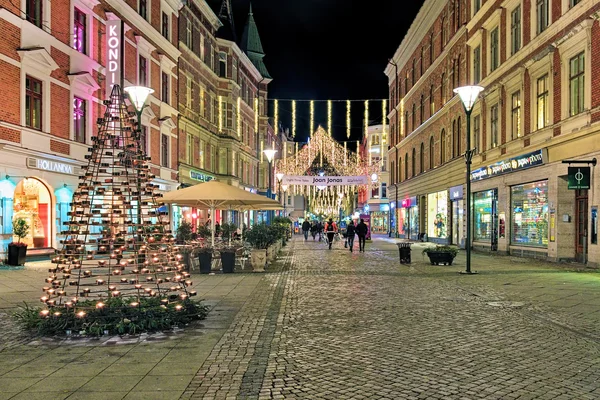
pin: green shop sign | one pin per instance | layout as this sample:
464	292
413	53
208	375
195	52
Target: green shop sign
579	178
510	165
200	176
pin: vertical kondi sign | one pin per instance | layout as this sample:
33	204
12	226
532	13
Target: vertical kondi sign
114	53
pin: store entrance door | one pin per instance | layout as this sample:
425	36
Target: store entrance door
457	223
581	224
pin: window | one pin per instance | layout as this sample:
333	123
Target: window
431	49
422	158
234	69
431	102
573	3
165	87
222	64
165	25
494	50
443	89
79	31
576	84
542	15
542	101
431	152
202	151
421	63
515	115
443	146
476	6
443	33
33	103
412	72
164	150
454	140
494	126
34	12
144	139
458	142
202	48
515	30
477	65
406	166
212	57
79	119
188	92
142	72
413	162
476	133
406	123
143	8
529	208
484	208
189	148
383	190
188	34
458	16
414	116
422	109
457	74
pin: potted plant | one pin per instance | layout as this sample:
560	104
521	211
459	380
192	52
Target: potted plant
17	252
259	237
184	232
228	252
205	252
441	254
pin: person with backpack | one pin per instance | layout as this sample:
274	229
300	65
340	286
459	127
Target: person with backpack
361	230
350	232
330	230
305	229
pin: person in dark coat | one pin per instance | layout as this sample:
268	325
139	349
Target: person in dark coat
361	230
313	230
305	229
350	232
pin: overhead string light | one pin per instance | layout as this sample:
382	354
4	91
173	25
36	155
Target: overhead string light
293	118
312	118
329	126
276	118
348	118
239	117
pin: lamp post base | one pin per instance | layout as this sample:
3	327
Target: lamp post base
468	272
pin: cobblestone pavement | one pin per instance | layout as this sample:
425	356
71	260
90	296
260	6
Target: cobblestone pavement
330	324
338	325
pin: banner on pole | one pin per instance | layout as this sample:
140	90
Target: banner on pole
324	180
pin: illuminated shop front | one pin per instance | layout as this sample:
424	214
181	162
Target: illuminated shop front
529	214
484	210
408	219
33	203
457	216
437	216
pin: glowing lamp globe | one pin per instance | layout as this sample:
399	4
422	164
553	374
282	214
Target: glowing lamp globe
468	95
138	95
279	176
270	154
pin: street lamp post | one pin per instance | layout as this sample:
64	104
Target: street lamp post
285	188
138	96
468	95
270	154
279	176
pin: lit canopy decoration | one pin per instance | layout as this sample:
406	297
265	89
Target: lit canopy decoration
324	156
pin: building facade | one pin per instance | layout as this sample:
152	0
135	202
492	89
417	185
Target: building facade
538	113
54	61
374	199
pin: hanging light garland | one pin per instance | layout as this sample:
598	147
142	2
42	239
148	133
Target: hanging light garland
384	131
366	117
276	118
312	118
348	119
256	115
329	126
293	118
220	113
239	117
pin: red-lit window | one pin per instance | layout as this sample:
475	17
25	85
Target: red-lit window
79	31
79	119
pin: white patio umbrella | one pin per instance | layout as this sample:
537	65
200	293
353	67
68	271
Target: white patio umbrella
219	196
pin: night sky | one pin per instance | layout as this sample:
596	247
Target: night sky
328	49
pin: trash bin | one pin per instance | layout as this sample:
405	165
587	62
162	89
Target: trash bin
404	249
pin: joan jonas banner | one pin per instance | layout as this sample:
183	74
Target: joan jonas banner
324	180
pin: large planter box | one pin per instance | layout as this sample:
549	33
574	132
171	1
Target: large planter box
258	259
438	257
16	255
205	259
228	261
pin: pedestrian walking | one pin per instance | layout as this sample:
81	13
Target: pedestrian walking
331	230
313	230
350	232
320	230
305	229
361	230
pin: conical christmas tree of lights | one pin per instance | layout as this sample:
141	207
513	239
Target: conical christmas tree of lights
116	241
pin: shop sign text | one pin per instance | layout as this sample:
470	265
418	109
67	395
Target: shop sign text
511	165
113	52
52	166
199	176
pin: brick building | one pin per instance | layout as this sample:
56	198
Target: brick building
539	108
222	100
53	58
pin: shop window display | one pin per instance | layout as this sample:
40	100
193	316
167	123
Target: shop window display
402	222
413	222
437	214
484	206
32	203
529	204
